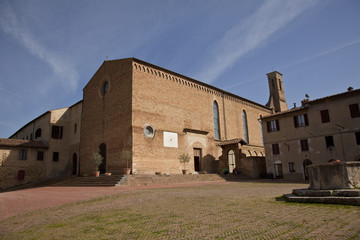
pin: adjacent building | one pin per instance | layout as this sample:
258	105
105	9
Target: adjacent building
318	131
46	147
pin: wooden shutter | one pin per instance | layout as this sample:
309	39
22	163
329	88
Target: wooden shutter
277	124
354	110
268	126
306	120
295	122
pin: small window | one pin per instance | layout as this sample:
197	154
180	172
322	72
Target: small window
357	136
354	110
40	156
21	175
55	156
75	128
291	167
149	131
325	117
301	121
105	88
329	140
22	154
273	126
275	149
304	145
38	133
57	132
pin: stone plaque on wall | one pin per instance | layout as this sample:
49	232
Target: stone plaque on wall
170	139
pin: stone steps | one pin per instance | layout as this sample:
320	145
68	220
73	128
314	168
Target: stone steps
92	181
338	196
144	180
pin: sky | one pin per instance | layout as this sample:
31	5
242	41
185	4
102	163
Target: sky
50	49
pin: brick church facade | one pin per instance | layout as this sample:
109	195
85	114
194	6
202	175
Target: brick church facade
131	106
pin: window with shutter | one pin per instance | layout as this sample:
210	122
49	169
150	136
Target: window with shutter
304	145
275	149
301	120
354	110
273	125
325	117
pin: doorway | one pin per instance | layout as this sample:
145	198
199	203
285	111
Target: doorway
306	162
278	169
231	160
74	163
102	167
197	159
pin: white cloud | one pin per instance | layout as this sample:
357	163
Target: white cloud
348	44
9	23
250	34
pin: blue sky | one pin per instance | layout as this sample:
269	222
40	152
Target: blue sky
50	49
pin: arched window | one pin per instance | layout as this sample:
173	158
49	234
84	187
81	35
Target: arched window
216	121
261	130
246	135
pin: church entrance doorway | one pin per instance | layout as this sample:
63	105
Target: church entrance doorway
74	163
102	167
231	160
197	159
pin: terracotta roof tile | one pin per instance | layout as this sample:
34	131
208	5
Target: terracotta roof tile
6	142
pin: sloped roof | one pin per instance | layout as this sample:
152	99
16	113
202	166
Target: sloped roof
316	101
5	142
232	141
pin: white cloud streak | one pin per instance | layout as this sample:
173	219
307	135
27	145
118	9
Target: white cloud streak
250	34
321	54
9	23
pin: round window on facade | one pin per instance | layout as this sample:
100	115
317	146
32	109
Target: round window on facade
149	131
105	88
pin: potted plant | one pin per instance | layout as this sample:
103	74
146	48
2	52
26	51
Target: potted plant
184	158
126	154
97	160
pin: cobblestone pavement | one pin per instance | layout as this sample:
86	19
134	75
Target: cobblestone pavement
242	210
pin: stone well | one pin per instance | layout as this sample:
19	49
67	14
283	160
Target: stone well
344	175
332	183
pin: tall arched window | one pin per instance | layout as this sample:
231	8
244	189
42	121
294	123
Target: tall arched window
246	135
261	130
216	121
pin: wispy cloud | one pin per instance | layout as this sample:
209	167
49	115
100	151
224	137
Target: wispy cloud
335	49
250	34
11	25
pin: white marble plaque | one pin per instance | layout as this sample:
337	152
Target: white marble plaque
170	139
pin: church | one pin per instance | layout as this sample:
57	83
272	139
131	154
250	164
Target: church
142	117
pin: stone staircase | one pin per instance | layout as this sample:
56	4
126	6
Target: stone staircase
145	180
339	196
92	181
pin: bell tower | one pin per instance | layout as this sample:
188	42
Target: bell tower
277	99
